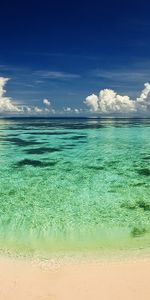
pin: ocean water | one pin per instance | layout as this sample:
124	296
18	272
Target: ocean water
74	184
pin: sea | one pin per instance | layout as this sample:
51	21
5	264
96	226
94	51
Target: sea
74	184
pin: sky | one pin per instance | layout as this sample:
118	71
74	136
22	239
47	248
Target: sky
75	57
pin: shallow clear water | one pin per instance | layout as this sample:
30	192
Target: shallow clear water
74	184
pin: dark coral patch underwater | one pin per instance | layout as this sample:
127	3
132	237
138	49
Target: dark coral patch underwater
146	157
144	172
34	163
43	150
95	167
20	142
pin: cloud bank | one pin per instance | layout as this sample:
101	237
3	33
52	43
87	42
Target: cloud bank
108	101
7	105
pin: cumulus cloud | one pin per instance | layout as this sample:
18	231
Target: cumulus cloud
72	110
76	110
67	109
108	101
6	103
92	101
49	108
144	93
46	102
38	110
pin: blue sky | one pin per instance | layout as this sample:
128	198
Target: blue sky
67	50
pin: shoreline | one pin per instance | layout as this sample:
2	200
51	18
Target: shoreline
124	277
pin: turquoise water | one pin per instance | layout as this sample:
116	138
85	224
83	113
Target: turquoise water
74	184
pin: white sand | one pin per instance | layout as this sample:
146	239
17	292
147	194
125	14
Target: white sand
79	280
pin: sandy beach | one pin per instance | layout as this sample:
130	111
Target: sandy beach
125	279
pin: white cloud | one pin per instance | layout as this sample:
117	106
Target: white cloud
68	109
38	110
27	109
6	103
46	102
92	102
76	110
71	110
144	93
47	110
108	101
